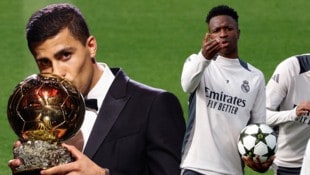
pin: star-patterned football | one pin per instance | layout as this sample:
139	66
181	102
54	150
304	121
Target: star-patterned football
257	139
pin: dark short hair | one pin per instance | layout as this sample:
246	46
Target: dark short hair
50	20
222	10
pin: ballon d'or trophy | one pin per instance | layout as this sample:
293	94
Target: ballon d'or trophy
44	110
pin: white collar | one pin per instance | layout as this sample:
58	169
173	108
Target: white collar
101	88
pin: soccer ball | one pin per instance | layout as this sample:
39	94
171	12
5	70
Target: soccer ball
45	107
257	139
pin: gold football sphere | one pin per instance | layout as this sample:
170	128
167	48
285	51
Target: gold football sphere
45	107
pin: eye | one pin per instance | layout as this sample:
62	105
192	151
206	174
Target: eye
216	30
44	63
230	28
66	55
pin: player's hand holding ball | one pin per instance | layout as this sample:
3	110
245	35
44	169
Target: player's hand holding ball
257	145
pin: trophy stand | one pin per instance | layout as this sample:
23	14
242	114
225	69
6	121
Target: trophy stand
44	110
38	155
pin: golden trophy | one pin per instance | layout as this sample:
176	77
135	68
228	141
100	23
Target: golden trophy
44	110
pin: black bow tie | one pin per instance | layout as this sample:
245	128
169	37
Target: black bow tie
91	104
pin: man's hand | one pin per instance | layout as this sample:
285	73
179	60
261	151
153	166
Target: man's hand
82	165
210	46
258	166
303	108
15	163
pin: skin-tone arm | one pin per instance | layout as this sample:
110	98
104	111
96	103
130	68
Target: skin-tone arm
82	165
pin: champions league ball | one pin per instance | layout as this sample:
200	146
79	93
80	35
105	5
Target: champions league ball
257	139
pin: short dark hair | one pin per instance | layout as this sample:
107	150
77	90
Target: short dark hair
222	10
50	20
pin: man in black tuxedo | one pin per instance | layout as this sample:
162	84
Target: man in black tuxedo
136	130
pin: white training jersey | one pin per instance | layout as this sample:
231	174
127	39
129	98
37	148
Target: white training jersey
226	95
288	86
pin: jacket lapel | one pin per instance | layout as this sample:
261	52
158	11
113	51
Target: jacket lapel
112	105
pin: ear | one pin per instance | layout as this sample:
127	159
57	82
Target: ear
91	44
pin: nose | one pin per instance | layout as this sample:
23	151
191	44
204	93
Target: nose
223	33
58	69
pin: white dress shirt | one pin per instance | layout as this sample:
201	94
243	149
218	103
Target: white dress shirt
98	92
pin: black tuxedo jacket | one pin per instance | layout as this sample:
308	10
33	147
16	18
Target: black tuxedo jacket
138	131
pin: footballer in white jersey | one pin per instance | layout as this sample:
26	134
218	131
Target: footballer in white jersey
226	94
229	96
289	87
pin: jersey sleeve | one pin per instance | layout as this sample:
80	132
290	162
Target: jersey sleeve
192	72
258	113
276	92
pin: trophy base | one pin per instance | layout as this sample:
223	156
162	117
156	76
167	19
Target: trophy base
29	172
38	155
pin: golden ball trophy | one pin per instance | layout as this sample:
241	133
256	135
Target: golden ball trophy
44	110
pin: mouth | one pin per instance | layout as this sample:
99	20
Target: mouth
224	44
